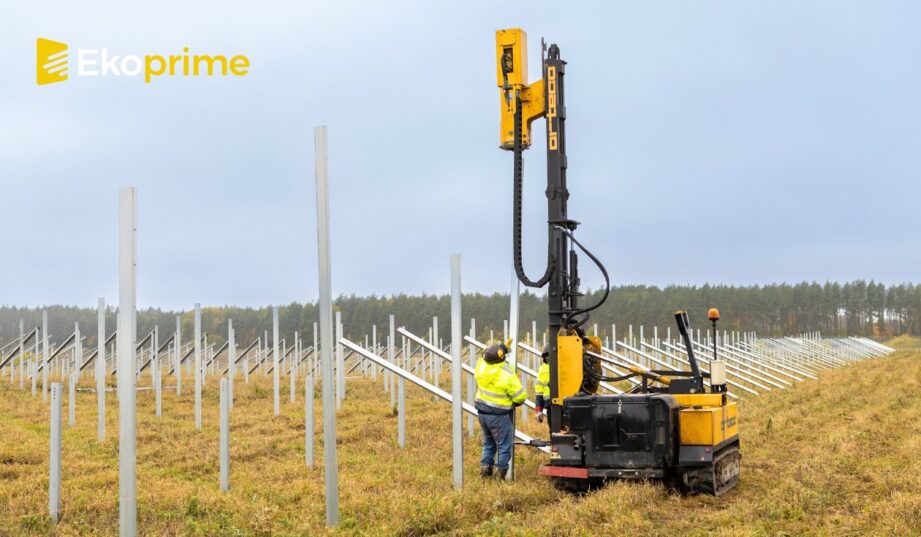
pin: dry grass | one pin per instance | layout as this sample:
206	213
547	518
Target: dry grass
904	342
839	456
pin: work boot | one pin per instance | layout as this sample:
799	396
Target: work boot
500	474
485	471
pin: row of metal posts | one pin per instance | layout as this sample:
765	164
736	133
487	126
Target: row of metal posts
176	350
748	353
127	366
736	349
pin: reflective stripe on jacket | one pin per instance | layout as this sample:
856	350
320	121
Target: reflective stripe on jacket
498	389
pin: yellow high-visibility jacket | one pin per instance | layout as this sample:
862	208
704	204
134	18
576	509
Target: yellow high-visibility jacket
498	390
542	387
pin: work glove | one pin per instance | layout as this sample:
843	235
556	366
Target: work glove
540	416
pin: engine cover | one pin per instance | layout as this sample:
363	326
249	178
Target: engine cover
631	431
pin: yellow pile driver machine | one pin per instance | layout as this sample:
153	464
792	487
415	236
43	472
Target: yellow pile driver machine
670	425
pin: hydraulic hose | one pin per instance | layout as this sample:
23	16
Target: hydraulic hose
607	283
516	209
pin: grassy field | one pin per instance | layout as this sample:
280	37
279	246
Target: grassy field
837	456
904	342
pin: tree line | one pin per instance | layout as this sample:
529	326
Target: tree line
861	308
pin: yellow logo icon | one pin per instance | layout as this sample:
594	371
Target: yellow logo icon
50	61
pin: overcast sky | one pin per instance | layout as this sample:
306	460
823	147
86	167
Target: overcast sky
722	142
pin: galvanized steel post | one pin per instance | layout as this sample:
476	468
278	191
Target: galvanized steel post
471	382
71	400
331	473
512	355
309	420
457	339
276	394
54	467
45	355
177	347
101	370
22	358
340	366
401	399
127	365
231	360
225	435
197	366
437	361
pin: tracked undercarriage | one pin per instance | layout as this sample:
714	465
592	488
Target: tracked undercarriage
716	478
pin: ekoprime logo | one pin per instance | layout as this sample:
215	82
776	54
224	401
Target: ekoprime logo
51	64
50	61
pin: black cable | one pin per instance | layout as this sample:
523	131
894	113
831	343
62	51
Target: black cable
604	272
613	379
516	216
